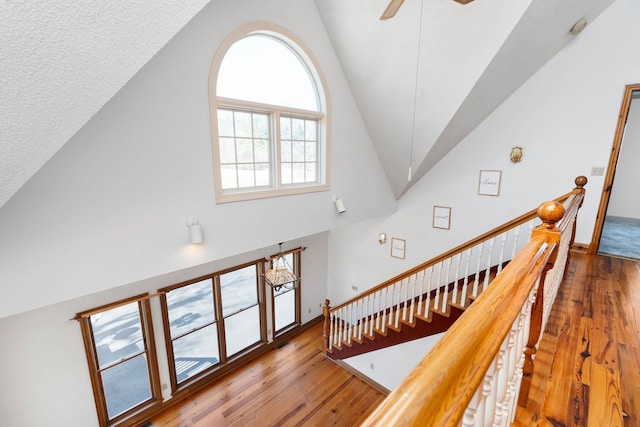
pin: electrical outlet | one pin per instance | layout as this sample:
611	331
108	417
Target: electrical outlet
309	311
354	287
371	365
597	170
164	386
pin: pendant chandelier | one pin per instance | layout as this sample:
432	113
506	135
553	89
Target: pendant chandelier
280	274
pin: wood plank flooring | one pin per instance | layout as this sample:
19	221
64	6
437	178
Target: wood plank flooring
587	369
294	385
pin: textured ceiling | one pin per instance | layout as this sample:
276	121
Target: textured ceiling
61	61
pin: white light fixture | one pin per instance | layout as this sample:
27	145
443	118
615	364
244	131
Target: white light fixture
339	204
382	238
195	231
280	274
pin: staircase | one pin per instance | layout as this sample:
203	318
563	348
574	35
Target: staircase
422	316
429	298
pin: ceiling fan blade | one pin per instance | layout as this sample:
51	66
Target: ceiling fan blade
463	1
392	9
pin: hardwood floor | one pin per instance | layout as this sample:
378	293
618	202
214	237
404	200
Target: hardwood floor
294	385
587	369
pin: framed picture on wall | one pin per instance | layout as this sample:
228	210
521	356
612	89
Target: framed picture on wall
398	247
489	183
441	217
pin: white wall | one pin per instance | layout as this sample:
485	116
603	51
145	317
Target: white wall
43	365
624	202
110	207
105	218
564	117
389	366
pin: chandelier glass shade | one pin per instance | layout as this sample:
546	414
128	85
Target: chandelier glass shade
280	274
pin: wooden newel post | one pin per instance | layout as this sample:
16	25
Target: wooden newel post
325	329
550	213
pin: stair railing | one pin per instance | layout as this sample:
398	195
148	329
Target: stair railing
430	286
473	375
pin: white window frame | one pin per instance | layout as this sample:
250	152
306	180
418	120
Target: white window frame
275	112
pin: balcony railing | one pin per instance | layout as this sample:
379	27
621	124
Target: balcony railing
477	371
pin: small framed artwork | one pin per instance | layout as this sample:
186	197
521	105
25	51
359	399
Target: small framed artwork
441	217
398	247
489	183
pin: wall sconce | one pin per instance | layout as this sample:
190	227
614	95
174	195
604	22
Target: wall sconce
382	238
339	204
578	26
516	154
195	231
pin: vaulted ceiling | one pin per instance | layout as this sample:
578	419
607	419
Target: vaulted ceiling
423	79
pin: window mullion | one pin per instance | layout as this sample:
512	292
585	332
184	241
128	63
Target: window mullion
277	151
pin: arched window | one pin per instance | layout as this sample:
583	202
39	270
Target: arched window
269	118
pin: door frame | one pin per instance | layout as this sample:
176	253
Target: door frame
611	167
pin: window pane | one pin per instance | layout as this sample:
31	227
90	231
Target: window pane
285	128
242	330
297	129
195	352
261	150
239	289
245	176
298	172
261	68
285	308
227	150
243	124
310	130
286	173
245	150
229	176
297	151
285	151
311	172
117	333
310	151
263	174
190	307
225	123
126	385
261	126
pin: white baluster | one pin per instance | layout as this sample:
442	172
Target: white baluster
421	310
487	272
436	302
331	319
477	273
445	298
456	278
427	305
502	246
463	301
412	310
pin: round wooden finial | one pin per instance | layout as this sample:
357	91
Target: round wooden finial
550	213
581	181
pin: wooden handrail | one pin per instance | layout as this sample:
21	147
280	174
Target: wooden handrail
527	216
440	389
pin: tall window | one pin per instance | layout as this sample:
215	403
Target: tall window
122	360
286	300
270	122
212	320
